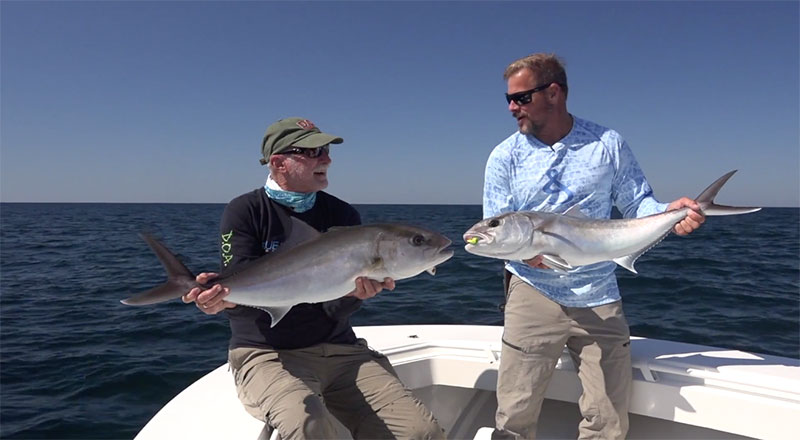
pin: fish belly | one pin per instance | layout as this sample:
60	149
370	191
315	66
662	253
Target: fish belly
313	285
596	241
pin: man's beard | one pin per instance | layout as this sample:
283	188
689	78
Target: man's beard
531	127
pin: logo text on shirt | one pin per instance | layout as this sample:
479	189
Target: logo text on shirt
226	248
271	246
554	186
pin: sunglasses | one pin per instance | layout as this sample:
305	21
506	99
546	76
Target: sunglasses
524	97
311	153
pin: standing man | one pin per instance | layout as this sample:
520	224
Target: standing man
308	375
556	161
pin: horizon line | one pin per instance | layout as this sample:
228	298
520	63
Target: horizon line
225	203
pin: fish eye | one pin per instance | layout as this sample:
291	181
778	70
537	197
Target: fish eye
418	240
494	223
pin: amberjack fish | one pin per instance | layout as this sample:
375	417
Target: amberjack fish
571	239
311	267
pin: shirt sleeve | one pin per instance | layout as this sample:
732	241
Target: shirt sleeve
239	241
497	197
632	195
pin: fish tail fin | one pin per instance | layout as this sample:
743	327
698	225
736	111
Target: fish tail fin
706	200
180	279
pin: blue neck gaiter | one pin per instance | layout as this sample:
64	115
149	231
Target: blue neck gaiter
297	201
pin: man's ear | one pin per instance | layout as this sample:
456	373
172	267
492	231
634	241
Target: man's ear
553	91
277	161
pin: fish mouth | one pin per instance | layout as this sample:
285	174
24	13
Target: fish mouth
473	238
444	254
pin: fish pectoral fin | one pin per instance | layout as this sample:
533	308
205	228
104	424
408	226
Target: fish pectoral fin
275	313
628	260
556	263
376	263
432	270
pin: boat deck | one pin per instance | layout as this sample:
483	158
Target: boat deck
679	391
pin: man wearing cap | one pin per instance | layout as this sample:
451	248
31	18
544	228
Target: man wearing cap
309	376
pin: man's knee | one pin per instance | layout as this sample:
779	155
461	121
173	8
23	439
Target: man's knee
432	430
418	423
305	417
424	429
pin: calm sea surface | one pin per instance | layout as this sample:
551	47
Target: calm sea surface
75	363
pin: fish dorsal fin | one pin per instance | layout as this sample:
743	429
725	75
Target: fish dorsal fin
299	232
628	260
545	223
295	230
556	263
575	211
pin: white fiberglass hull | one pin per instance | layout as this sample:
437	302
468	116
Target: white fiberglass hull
679	391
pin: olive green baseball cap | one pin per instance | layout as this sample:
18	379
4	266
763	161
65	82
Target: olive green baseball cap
293	133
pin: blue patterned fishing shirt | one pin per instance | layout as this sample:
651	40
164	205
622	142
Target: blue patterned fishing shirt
593	167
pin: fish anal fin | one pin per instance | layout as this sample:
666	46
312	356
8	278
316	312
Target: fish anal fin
627	261
276	313
556	263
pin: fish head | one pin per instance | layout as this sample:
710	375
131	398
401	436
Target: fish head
406	251
507	236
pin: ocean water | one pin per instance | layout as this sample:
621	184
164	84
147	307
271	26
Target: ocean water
75	363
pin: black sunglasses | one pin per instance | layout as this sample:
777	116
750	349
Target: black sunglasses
522	98
311	153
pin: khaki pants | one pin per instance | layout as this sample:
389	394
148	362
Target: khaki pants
329	391
535	332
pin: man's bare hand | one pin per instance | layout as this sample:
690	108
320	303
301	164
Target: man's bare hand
210	301
367	288
694	218
536	262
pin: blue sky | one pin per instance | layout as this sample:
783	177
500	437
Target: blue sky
168	101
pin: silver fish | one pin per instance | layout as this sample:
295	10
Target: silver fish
311	267
571	239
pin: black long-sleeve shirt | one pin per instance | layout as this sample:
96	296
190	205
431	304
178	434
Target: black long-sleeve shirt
251	227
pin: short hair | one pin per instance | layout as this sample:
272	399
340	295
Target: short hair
548	67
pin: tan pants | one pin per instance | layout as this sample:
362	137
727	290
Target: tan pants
535	332
329	391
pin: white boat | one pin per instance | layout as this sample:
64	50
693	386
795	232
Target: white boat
680	391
